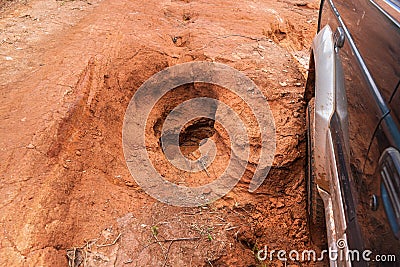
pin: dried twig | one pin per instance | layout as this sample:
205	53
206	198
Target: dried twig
167	253
170	244
74	260
174	240
231	228
110	244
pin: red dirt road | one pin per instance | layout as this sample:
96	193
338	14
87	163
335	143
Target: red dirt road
68	71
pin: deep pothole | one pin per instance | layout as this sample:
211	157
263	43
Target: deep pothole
188	135
194	134
193	137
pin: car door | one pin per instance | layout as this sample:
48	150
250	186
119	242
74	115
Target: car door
370	61
367	72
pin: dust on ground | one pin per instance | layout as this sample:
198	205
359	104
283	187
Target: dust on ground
68	71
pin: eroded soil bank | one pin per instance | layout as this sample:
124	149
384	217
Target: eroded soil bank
68	71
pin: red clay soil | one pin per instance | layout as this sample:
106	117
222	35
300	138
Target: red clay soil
68	71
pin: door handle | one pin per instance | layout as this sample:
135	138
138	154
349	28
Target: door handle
339	37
